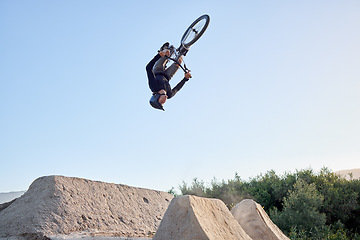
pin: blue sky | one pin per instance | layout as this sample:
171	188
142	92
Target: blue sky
275	86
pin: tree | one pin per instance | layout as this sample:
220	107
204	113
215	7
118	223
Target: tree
269	189
301	209
197	188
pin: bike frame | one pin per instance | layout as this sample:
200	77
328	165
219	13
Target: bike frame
178	52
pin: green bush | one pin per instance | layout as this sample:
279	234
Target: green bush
304	204
301	210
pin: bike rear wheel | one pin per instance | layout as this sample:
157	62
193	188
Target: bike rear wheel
195	31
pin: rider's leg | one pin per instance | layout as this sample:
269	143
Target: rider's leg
160	65
170	71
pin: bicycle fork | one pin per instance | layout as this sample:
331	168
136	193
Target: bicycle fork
181	51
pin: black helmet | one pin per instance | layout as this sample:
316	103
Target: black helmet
154	101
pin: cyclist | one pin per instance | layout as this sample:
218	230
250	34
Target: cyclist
159	77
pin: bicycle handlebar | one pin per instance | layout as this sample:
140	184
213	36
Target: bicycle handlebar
185	69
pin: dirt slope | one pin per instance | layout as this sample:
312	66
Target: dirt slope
62	205
255	221
196	218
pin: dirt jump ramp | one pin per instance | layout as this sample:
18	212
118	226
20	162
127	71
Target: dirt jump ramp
255	221
63	205
196	218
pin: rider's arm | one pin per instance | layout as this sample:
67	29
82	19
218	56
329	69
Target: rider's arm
151	64
153	84
178	86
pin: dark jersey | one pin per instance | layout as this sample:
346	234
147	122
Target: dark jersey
160	81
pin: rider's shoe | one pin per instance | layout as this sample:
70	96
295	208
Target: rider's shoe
165	46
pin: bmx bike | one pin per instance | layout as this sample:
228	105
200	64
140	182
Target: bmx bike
191	35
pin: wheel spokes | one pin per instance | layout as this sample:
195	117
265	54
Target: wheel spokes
194	31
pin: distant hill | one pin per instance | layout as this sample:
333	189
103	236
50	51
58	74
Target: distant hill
351	173
7	197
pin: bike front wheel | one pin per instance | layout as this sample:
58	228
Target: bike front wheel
195	31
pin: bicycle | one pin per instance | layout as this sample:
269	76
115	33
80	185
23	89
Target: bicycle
191	35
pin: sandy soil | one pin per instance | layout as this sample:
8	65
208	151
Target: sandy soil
84	237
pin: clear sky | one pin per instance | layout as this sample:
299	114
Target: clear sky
276	85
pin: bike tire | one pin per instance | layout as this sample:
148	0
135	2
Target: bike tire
195	31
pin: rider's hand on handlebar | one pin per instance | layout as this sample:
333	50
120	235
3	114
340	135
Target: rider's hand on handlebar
164	52
188	75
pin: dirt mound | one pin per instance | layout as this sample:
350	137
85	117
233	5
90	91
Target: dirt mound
255	221
190	217
349	174
62	205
